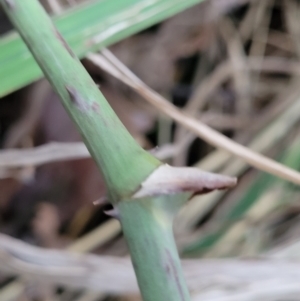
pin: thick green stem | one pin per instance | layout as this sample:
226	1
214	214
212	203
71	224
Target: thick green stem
123	163
146	195
147	222
152	247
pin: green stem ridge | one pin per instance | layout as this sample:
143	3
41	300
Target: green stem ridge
145	197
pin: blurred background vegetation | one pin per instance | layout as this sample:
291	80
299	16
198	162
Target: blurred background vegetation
233	64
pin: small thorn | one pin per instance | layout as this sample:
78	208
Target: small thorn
167	180
76	99
102	201
113	213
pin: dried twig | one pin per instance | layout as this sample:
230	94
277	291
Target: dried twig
89	242
55	6
217	8
59	151
237	56
246	278
264	141
111	64
35	97
47	153
291	11
197	102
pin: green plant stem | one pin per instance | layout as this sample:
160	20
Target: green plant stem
147	222
152	248
123	163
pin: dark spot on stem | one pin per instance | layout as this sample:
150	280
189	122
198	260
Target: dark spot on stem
172	272
10	4
64	43
76	99
95	107
80	102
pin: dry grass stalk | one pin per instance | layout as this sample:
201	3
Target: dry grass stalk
111	64
247	278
